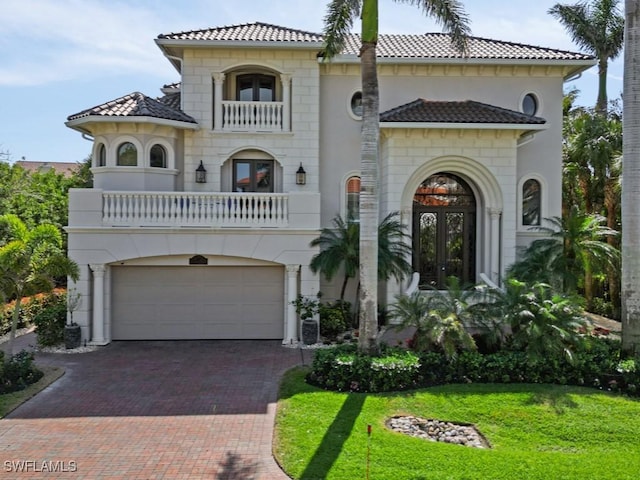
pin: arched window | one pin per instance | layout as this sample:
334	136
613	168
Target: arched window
353	199
127	155
531	202
102	155
158	156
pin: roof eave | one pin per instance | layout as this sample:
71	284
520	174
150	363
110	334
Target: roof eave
584	64
525	127
80	124
167	42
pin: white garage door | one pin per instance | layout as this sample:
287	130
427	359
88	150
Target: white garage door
197	302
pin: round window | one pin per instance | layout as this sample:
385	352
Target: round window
529	104
356	104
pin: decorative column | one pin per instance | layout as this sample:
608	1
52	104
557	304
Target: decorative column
495	214
98	305
218	81
286	101
291	322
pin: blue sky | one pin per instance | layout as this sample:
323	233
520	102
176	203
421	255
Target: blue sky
60	57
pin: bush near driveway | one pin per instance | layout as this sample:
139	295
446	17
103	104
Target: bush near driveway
596	363
18	373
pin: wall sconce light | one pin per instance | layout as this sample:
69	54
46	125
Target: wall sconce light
301	176
201	174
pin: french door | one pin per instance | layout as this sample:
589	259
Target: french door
444	231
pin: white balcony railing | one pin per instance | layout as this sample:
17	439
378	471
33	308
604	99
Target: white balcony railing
195	209
252	116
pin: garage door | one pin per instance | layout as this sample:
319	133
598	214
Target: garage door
165	303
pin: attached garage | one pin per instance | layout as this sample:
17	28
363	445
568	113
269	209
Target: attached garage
197	302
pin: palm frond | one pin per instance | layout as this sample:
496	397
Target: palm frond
337	25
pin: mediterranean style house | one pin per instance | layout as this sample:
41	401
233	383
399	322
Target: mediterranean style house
205	200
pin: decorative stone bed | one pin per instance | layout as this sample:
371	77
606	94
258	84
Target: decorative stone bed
439	431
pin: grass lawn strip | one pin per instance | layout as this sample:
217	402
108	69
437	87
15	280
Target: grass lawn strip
536	431
11	401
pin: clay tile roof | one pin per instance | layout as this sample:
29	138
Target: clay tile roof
424	111
137	105
248	32
439	45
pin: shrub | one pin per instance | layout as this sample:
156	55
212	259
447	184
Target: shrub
333	318
19	372
31	306
50	322
342	368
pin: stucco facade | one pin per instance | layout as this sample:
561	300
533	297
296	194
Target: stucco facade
255	106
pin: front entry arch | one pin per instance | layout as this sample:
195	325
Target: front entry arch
444	231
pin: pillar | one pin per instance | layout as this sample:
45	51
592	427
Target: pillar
98	305
494	214
286	101
218	82
291	321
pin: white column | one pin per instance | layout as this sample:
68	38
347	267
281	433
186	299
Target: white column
494	214
98	305
291	321
286	100
218	80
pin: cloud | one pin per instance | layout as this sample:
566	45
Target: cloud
54	41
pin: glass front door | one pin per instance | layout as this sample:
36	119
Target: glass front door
444	231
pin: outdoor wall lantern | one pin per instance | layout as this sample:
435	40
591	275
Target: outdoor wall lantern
301	176
201	174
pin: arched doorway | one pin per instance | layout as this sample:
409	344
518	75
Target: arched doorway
444	230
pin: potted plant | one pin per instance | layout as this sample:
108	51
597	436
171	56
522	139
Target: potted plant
307	309
72	333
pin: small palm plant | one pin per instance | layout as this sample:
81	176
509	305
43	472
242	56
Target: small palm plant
438	317
538	320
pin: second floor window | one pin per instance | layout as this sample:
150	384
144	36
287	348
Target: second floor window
158	157
531	202
256	88
253	176
102	155
127	155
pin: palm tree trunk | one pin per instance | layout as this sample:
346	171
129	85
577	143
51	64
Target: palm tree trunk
14	326
601	102
368	321
631	183
344	288
611	199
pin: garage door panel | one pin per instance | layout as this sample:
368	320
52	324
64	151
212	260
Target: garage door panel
197	303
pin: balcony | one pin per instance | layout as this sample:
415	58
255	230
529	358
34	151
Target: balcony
97	208
252	116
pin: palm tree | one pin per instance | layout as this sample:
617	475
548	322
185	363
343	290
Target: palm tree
631	182
340	249
574	250
30	260
338	22
598	28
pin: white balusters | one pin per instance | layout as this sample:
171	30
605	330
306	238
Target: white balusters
174	209
252	116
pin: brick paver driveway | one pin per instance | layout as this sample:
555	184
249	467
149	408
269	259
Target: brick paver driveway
142	410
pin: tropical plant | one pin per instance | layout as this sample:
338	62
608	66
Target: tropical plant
597	27
631	185
574	250
439	317
338	23
538	320
30	261
340	249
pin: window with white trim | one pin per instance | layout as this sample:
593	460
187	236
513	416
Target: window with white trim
531	202
353	198
127	155
158	156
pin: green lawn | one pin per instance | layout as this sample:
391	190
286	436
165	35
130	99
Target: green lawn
536	431
11	401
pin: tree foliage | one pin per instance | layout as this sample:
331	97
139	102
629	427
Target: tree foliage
30	261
